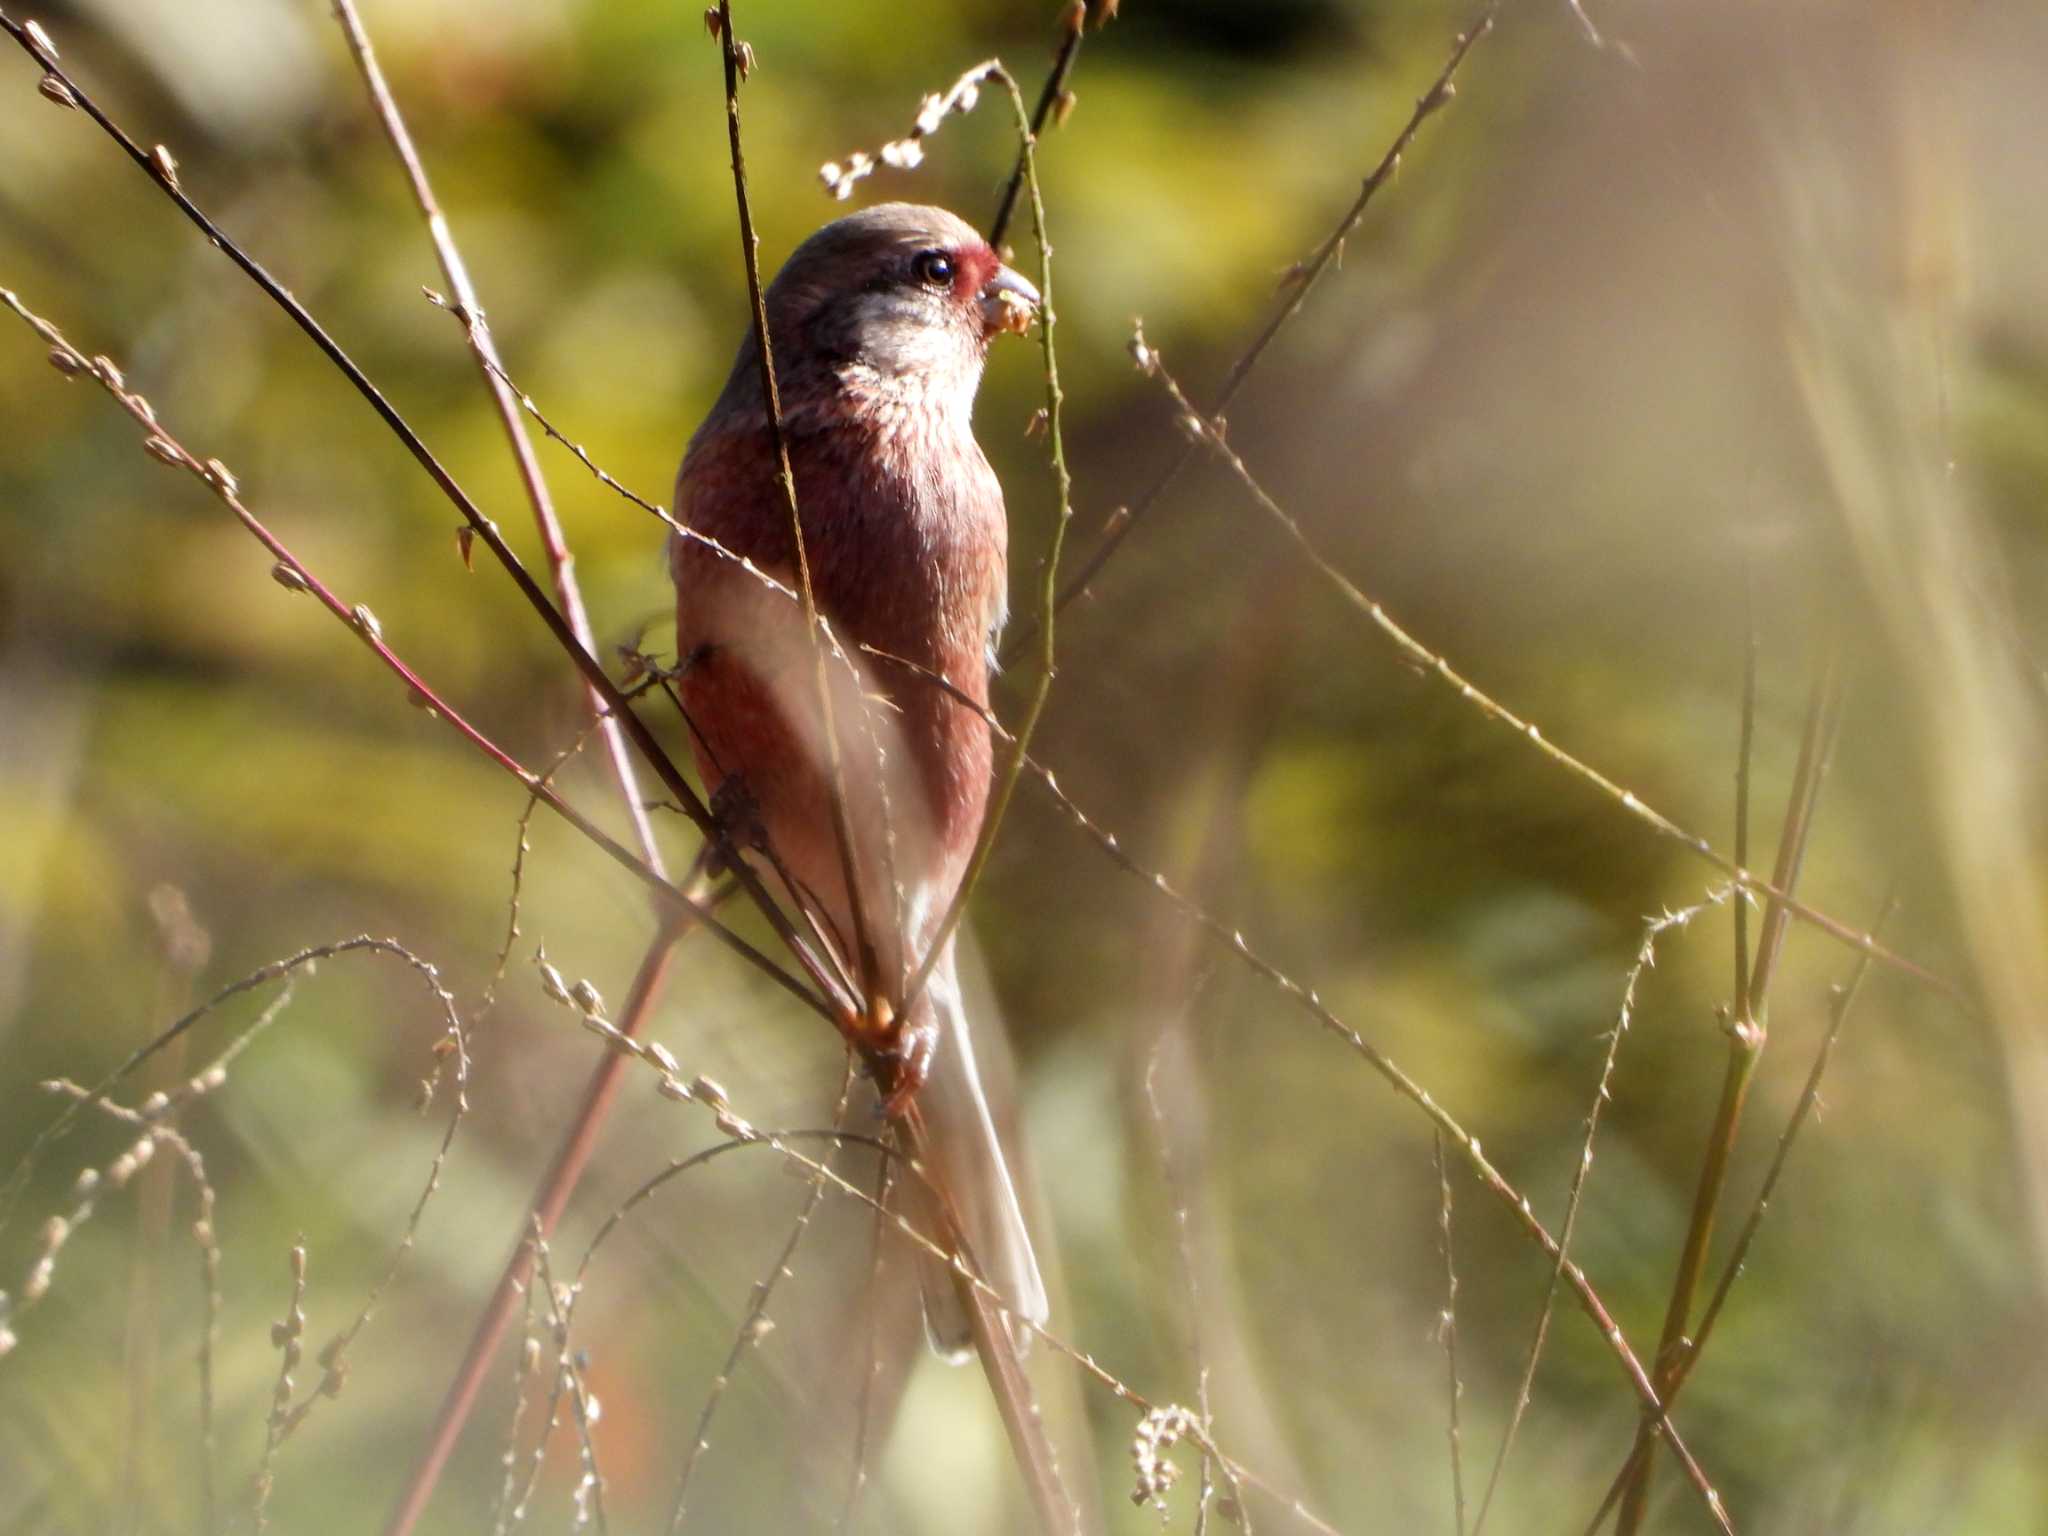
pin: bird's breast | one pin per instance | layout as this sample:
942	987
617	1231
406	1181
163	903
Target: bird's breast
905	540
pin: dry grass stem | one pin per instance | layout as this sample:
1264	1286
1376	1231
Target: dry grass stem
288	1338
864	1406
1447	1327
1746	1037
569	1368
1646	956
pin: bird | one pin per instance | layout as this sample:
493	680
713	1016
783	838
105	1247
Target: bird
879	324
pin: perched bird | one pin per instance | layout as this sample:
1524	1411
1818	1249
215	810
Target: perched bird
878	325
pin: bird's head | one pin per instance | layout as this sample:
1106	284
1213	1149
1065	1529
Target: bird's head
897	297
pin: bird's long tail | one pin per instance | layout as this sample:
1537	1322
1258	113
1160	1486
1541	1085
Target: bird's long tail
966	1157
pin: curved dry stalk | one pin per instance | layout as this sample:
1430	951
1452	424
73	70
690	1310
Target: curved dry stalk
1841	1002
1744	755
569	1367
525	1366
1447	1329
288	1337
863	1418
89	1187
275	970
1746	1037
286	1415
1646	956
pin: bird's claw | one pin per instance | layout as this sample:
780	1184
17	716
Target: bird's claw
736	819
904	1064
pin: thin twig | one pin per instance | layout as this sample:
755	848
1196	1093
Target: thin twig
863	1418
1746	1040
524	1366
569	1367
1842	999
1646	956
1744	757
288	1338
1072	26
1447	1327
1176	1155
1839	1004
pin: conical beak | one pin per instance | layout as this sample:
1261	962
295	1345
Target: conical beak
1008	302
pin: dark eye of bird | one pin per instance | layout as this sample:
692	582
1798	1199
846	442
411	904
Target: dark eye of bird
933	268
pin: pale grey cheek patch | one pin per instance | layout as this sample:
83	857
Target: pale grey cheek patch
902	332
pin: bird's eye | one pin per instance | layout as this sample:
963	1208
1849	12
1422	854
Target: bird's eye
934	269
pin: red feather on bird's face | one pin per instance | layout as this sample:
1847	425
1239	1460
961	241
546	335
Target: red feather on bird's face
879	325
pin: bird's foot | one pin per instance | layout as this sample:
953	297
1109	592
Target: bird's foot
736	821
902	1065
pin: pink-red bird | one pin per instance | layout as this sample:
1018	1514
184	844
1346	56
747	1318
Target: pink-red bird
879	324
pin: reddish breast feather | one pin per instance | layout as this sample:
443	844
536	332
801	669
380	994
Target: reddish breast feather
904	533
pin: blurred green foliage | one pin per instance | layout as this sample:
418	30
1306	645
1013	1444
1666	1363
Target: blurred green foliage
1575	382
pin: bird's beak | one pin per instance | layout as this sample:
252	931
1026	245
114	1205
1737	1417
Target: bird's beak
1008	302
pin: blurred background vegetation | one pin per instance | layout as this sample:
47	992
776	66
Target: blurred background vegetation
1745	295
